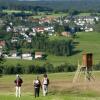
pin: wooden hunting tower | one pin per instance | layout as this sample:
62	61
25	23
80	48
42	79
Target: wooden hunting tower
86	66
87	60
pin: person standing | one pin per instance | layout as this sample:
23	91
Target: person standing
18	82
37	85
45	83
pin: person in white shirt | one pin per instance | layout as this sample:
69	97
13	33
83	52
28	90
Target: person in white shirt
45	83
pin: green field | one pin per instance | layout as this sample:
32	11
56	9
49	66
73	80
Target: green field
60	88
40	14
58	97
15	11
84	42
51	15
84	14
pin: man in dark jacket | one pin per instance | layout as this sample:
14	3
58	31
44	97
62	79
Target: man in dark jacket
18	82
37	85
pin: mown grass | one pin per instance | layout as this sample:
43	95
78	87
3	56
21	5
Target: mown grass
57	88
58	97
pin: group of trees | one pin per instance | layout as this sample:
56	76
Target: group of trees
42	43
57	47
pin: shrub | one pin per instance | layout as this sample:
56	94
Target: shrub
1	70
40	69
18	70
30	69
9	70
49	67
65	68
97	66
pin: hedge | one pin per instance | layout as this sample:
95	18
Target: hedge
46	68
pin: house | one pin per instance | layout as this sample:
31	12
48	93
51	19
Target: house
24	35
2	43
29	40
27	56
13	55
66	21
67	34
33	29
14	39
35	20
11	23
87	29
44	20
97	18
24	29
8	29
32	33
38	55
39	29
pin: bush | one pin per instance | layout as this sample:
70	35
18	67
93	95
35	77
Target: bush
49	67
35	69
65	68
9	70
19	70
97	66
30	69
40	70
14	69
1	70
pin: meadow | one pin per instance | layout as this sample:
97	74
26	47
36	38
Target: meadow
60	88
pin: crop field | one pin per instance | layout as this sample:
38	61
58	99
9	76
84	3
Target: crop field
60	88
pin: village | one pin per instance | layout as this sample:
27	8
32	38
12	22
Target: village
50	26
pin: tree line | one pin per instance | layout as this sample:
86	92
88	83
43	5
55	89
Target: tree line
86	5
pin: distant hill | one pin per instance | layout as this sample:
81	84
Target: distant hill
84	5
52	0
58	0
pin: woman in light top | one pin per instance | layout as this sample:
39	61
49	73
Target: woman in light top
45	83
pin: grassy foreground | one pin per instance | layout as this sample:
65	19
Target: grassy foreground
26	97
60	88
